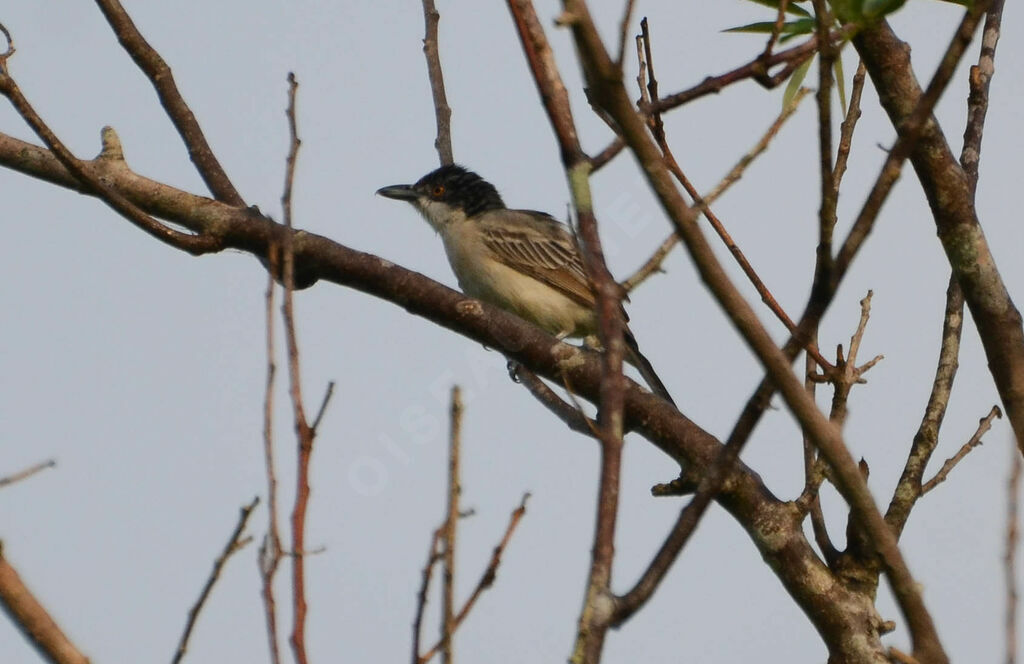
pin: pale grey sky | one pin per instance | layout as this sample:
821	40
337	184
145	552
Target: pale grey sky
141	369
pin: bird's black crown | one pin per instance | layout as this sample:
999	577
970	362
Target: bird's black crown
461	188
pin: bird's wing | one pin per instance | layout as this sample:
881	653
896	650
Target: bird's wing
539	246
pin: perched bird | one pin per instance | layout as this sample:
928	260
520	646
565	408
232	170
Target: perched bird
523	261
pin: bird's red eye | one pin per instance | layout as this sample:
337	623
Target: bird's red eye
438	191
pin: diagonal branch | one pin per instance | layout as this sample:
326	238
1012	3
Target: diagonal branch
33	620
983	426
26	473
159	74
235	542
908	489
486	581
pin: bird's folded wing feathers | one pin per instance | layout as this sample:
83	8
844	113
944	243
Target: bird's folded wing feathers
540	246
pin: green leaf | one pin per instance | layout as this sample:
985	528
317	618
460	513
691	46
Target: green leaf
837	70
792	7
794	82
800	27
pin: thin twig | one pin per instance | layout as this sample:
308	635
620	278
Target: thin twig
627	14
442	112
827	186
33	620
27	472
908	489
270	549
303	431
486	579
159	74
846	373
983	426
433	556
449	530
846	129
791	58
1010	554
602	158
235	542
977	101
652	265
741	166
773	38
569	413
323	406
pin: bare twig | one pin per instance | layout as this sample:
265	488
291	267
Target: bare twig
304	432
33	620
849	124
600	159
773	38
1010	555
442	112
829	191
977	101
627	14
846	373
569	413
27	472
908	489
235	542
449	530
983	426
485	582
323	406
421	597
270	548
194	244
791	59
741	166
159	74
652	265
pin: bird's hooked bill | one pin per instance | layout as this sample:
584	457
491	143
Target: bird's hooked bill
401	192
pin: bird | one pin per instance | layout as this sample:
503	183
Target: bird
523	261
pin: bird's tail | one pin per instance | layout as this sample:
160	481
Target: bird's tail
637	359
